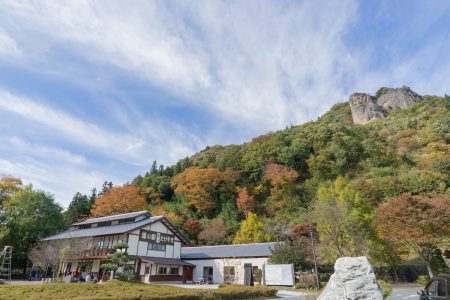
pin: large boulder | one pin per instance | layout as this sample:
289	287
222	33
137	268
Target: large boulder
401	97
353	279
365	108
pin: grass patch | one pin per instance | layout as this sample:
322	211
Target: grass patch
131	291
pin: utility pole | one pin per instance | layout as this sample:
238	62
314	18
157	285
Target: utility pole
311	232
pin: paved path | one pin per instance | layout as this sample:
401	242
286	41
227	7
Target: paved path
405	292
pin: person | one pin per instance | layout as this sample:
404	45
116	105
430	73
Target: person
88	278
32	274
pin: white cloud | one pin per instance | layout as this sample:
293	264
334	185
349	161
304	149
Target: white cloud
262	64
162	140
8	46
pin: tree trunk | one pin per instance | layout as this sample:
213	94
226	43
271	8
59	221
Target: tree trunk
430	271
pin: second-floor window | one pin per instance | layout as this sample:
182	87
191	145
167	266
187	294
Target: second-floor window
102	244
157	247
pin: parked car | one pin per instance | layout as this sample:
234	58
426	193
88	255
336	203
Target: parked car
437	288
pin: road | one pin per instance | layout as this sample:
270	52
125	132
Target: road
405	292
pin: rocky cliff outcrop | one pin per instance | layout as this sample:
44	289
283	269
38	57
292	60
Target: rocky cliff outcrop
353	279
366	108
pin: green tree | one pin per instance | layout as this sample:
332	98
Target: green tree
79	207
336	215
296	253
118	259
251	231
29	216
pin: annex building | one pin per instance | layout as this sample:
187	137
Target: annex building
160	252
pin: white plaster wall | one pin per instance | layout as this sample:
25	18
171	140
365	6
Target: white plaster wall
219	263
132	244
159	227
176	249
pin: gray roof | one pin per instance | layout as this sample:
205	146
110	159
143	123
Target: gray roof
105	230
164	261
221	251
113	218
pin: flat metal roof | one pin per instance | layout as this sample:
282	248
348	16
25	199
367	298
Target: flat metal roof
227	251
113	218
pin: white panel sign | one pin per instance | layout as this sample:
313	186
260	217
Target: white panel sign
279	274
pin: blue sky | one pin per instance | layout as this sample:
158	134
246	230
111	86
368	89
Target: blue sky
96	90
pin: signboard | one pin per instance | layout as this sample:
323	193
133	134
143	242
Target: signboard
279	275
156	237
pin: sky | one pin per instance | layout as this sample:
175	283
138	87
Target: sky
97	90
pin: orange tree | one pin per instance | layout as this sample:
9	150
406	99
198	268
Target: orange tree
415	224
245	202
119	200
204	187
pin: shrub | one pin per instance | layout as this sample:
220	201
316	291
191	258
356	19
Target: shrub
298	285
422	280
122	276
324	277
385	288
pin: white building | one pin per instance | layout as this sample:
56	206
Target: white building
158	251
228	263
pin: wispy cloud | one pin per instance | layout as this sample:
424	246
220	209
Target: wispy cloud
162	79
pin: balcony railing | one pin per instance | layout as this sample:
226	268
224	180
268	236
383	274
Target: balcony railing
98	251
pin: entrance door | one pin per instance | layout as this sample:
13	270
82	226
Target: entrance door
208	274
187	274
248	274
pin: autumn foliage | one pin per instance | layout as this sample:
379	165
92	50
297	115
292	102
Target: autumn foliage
414	223
201	186
280	177
119	200
245	202
192	228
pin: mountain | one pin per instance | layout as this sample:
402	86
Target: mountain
402	146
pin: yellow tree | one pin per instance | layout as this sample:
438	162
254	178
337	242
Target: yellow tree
9	186
119	200
251	231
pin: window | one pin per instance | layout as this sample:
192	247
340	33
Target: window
162	271
228	274
431	288
441	290
156	247
174	271
102	244
103	224
208	273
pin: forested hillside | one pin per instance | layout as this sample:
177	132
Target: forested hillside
330	174
290	178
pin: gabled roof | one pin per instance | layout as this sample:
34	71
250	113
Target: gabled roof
113	218
227	251
119	228
105	230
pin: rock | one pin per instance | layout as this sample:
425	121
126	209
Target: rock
402	97
365	108
353	279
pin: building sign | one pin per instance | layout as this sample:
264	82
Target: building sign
156	237
279	274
